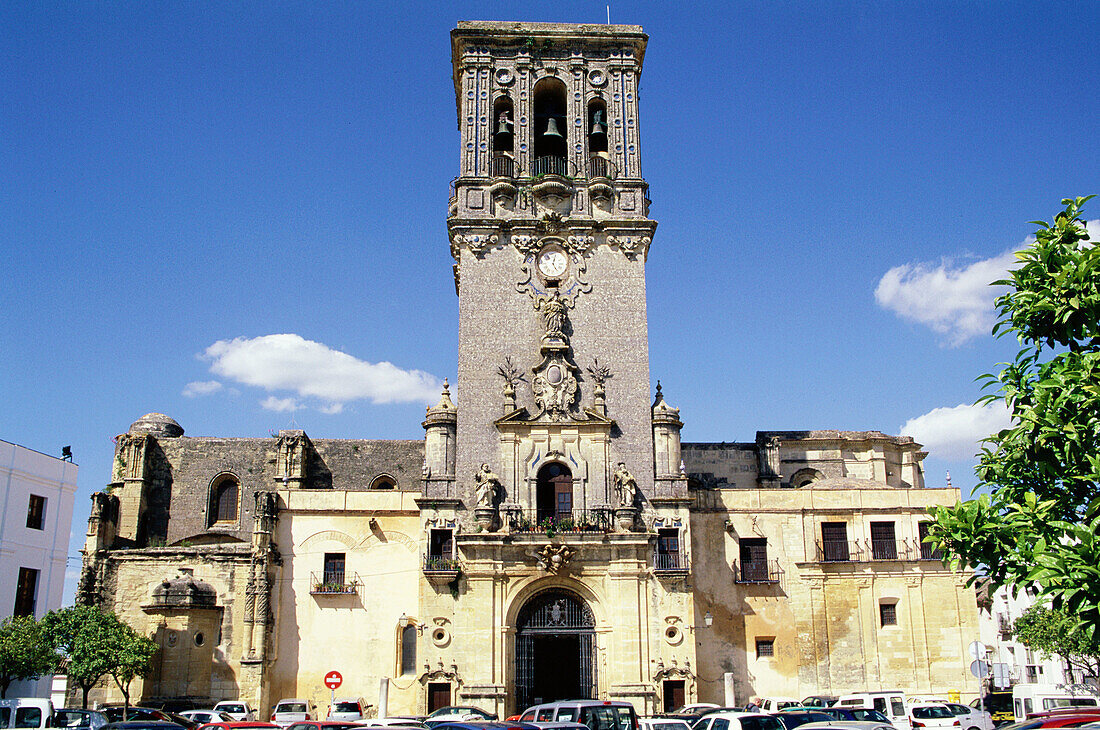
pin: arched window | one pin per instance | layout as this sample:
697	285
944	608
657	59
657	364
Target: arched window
597	138
503	138
805	477
383	481
550	129
224	500
408	649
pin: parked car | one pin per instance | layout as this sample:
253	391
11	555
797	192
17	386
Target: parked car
931	715
142	725
819	701
1053	720
287	712
694	708
595	714
26	712
855	714
890	703
663	723
775	704
411	721
999	704
792	718
245	725
1028	699
971	718
76	719
236	709
454	713
737	720
848	725
114	714
348	708
324	725
206	716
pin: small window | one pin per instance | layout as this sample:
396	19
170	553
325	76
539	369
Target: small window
36	512
28	717
224	498
25	591
334	568
888	614
383	481
408	649
765	647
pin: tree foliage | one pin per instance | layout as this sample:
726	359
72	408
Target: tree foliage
24	652
1053	633
1039	525
96	644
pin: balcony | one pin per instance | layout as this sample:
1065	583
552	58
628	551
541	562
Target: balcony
550	166
335	583
838	551
670	563
927	552
757	571
441	568
556	523
502	166
601	167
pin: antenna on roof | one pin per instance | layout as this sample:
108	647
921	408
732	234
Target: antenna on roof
609	13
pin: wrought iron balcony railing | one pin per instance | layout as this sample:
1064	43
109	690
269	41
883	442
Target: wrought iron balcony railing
601	167
927	552
757	571
838	551
550	166
502	166
440	564
333	583
548	521
670	562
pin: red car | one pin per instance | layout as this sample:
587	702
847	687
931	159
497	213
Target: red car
322	725
1052	720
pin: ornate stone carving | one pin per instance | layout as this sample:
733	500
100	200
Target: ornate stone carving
552	558
579	244
476	243
630	245
132	449
554	387
574	284
524	243
553	317
487	485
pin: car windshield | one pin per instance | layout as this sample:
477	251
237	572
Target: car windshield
760	722
935	712
865	715
231	708
346	707
291	707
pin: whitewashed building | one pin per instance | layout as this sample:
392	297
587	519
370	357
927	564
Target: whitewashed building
37	511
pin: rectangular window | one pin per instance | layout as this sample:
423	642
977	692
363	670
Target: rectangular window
754	559
668	548
765	647
888	614
36	512
334	569
440	550
834	541
25	591
883	543
926	550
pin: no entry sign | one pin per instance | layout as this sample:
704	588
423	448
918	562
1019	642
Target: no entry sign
333	679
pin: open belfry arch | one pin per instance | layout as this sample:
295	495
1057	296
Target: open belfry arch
550	536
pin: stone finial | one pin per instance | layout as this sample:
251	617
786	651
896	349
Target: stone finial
948	480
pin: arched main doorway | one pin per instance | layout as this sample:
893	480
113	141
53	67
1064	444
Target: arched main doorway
555	649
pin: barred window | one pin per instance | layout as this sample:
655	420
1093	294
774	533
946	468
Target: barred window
765	646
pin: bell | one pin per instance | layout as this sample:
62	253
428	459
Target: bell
504	124
552	129
599	126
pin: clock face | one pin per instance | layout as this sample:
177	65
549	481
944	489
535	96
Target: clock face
552	263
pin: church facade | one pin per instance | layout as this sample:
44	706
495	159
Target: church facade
550	537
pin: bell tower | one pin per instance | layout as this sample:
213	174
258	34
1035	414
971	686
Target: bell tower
549	230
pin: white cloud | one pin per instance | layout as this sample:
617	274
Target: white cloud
954	434
953	299
288	362
956	301
279	405
201	387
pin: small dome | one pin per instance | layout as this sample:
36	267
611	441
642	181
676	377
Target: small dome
157	424
184	592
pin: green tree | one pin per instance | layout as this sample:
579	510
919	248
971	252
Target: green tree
1039	524
132	656
1053	633
24	652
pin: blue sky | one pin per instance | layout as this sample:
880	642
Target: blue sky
835	182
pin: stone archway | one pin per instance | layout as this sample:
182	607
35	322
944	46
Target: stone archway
555	633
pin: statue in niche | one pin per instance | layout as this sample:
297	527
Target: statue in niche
625	486
553	315
486	483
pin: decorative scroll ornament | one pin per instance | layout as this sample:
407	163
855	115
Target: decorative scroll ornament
572	286
630	245
555	389
551	559
476	243
579	244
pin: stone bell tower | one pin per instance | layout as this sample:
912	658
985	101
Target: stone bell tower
549	230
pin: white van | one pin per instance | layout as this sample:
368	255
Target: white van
889	702
1028	699
26	713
